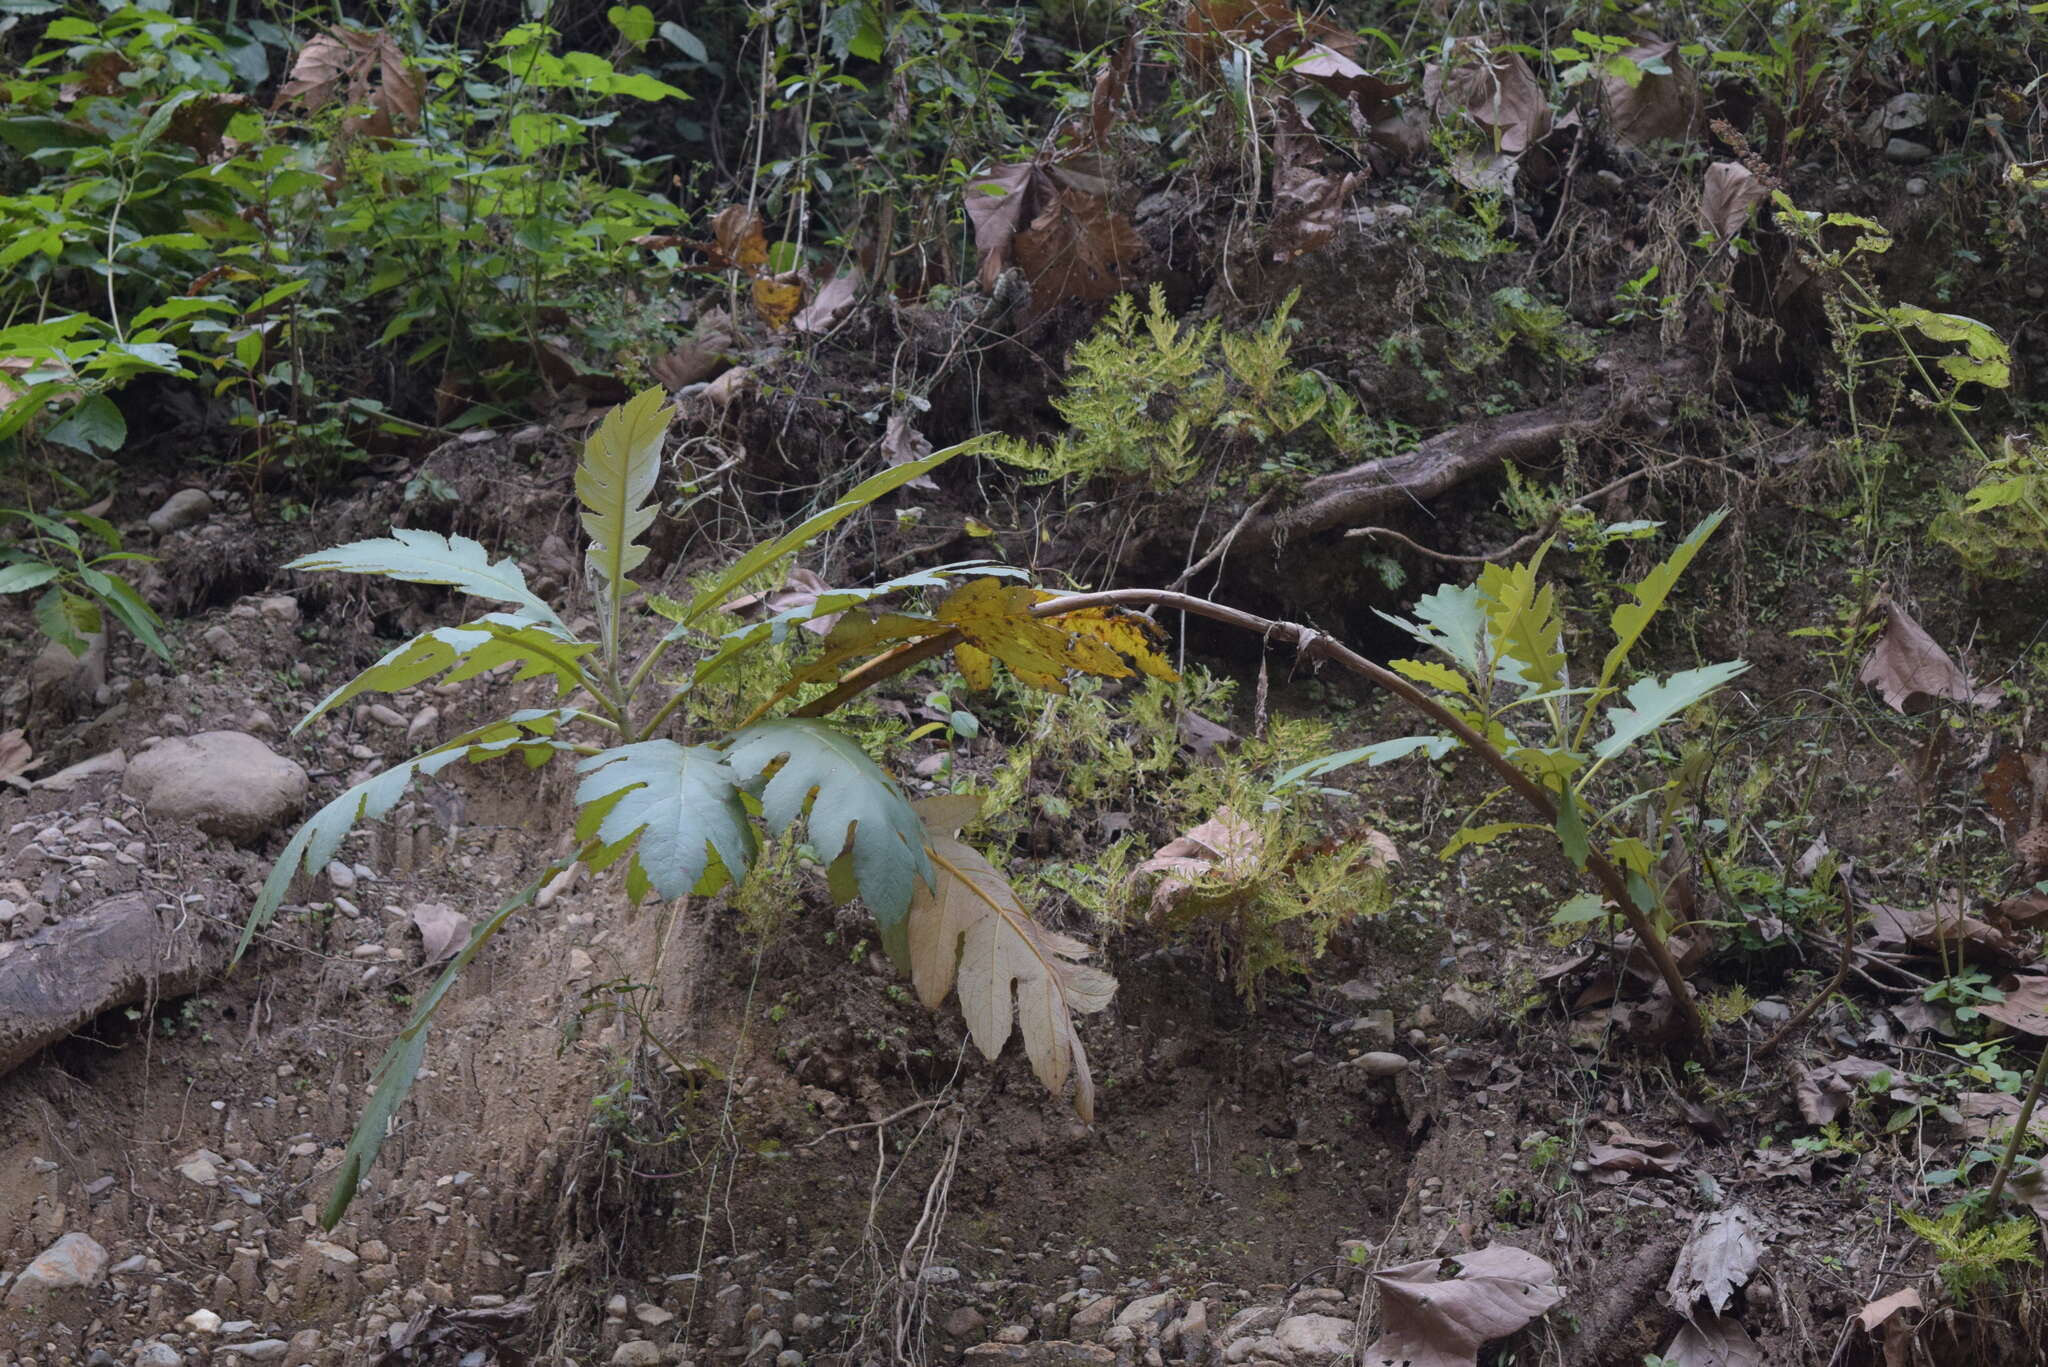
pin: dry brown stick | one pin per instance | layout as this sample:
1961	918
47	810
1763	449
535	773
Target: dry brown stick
1799	1017
1446	557
1222	548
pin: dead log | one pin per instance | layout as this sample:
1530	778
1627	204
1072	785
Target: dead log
118	953
1365	493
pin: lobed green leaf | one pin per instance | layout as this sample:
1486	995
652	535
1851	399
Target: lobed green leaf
615	483
681	801
854	809
1652	702
420	557
1453	620
495	639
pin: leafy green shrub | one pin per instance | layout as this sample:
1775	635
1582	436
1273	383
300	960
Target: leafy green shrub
1151	398
1259	881
407	197
79	590
1503	674
1999	530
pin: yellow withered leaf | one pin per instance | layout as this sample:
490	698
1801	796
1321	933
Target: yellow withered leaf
997	617
1128	633
778	300
975	667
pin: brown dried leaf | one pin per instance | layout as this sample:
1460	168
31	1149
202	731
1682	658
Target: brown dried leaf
1628	1153
999	205
1714	1341
1717	1260
1201	736
1897	1335
902	443
1732	191
318	71
1437	1321
17	757
1224	847
2023	912
2016	790
833	299
742	239
1881	1310
1825	1092
339	63
201	122
1077	248
2025	1007
1656	106
1992	1115
1766	1165
1308	204
1109	91
803	588
1336	71
974	934
1495	90
101	76
443	930
1911	671
1944	929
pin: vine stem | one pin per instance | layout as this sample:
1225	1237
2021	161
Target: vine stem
1312	645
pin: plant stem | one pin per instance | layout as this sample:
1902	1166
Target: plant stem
2019	1136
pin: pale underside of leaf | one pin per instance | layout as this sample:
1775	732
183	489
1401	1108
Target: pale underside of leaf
681	800
1453	620
466	651
1652	702
973	934
854	809
420	557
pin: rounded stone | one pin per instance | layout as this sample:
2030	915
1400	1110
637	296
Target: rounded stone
227	783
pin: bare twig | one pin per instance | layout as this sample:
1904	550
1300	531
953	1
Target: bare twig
1848	957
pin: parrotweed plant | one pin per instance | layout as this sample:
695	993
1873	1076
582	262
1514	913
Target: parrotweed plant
683	813
79	590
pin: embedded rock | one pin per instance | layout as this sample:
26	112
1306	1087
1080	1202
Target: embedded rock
227	783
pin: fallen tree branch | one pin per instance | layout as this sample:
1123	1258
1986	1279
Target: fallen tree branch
1443	462
1516	547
